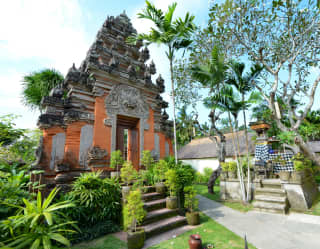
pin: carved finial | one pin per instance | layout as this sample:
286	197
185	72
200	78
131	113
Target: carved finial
73	67
131	71
56	92
165	115
147	77
113	62
144	55
160	83
152	67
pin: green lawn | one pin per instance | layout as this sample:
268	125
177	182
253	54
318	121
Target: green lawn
203	190
211	232
106	242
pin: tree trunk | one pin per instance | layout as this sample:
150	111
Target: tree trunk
174	113
306	150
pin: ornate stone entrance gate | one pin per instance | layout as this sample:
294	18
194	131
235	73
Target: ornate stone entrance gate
109	94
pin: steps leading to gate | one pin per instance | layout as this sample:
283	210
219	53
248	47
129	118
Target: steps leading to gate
159	219
270	197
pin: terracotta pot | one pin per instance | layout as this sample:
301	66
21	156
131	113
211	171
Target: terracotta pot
195	241
115	174
193	218
136	239
125	192
160	188
298	176
284	175
172	202
232	175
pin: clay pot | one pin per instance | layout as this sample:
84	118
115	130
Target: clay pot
136	239
195	241
115	174
193	218
284	175
172	202
160	188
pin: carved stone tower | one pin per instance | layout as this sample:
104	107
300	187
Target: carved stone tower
111	103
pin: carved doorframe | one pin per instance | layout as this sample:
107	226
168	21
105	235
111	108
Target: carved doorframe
126	101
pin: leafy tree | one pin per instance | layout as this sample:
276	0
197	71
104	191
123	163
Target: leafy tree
284	37
37	85
174	34
8	132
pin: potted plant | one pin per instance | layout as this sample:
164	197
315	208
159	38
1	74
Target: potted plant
128	173
232	169
225	168
160	169
172	184
147	159
191	203
299	172
116	160
134	214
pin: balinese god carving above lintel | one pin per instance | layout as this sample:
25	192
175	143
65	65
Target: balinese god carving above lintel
127	101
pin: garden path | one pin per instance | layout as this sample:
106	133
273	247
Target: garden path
265	230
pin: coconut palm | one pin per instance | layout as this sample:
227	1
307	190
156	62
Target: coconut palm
37	85
244	84
174	34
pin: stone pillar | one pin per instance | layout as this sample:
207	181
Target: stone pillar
113	134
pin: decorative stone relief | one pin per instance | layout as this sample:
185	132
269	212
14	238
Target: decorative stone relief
85	143
57	151
96	155
146	126
38	154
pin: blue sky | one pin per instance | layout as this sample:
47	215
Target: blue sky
37	34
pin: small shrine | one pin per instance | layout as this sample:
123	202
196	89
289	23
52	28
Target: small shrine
109	103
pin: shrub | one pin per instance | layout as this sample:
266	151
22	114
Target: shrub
147	159
207	172
199	178
299	165
116	159
38	223
172	181
225	166
96	199
159	170
133	211
128	173
232	166
191	202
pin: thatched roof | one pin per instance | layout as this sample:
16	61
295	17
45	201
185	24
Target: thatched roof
207	148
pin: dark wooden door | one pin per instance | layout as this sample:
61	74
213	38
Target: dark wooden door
134	147
120	139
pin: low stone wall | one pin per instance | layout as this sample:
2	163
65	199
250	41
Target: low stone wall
301	194
230	189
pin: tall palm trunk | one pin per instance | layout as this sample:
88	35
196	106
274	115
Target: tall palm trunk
237	160
247	148
174	109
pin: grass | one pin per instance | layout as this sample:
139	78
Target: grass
108	241
315	209
203	190
211	232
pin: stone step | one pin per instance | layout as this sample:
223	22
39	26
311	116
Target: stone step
155	205
152	196
164	225
270	207
271	191
159	214
270	198
271	183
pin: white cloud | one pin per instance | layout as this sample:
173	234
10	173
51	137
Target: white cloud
43	29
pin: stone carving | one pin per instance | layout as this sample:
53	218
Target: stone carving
146	126
152	68
147	77
126	100
38	154
62	167
160	83
96	154
86	139
57	151
144	55
132	72
108	122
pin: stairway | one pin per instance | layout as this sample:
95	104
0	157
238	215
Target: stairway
271	197
159	219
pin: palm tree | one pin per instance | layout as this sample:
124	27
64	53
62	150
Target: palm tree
37	85
244	84
174	34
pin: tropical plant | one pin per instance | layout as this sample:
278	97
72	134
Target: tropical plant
232	166
191	201
38	224
134	212
8	133
171	181
225	166
147	159
96	199
174	34
128	173
299	165
116	159
159	170
37	85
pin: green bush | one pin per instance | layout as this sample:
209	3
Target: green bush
225	166
147	159
133	212
232	166
116	159
172	181
159	170
191	202
299	165
96	200
38	224
199	178
207	172
128	173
